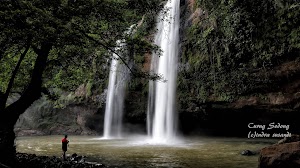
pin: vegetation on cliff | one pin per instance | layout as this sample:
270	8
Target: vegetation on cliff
237	49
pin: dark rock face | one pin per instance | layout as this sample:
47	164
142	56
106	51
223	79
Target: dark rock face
285	155
33	161
220	120
81	120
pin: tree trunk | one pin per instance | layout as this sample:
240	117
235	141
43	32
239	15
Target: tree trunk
7	145
10	114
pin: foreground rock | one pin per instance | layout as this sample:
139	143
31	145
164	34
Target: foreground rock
293	138
248	153
34	161
286	155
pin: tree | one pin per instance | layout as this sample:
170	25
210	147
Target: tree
35	29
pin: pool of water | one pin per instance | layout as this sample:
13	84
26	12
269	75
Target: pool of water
138	151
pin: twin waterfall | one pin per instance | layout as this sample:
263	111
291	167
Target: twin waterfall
161	114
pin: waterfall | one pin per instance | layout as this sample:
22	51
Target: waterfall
118	78
161	117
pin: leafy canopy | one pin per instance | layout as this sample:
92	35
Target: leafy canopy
79	32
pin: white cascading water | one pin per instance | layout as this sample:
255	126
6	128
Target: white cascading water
114	100
118	78
161	117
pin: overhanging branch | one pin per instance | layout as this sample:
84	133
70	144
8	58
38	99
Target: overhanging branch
108	48
13	76
135	74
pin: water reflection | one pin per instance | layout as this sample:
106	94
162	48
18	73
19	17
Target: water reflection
200	152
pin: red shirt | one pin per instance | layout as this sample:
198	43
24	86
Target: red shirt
64	140
64	144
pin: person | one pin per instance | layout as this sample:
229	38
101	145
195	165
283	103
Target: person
65	144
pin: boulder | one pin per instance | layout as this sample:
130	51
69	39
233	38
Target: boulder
286	155
293	138
248	153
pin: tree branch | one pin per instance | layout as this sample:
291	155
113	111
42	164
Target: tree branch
13	76
108	48
34	89
134	73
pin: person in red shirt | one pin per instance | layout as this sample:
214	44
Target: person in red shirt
65	144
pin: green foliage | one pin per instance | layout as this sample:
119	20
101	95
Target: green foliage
89	89
8	64
65	100
80	34
232	40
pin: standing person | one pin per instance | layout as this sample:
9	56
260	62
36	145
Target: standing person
65	144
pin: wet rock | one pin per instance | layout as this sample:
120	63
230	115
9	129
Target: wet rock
78	159
34	161
293	138
285	155
248	153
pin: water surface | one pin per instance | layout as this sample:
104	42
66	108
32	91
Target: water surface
192	152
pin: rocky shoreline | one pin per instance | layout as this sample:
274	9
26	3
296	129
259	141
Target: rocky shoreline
33	161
